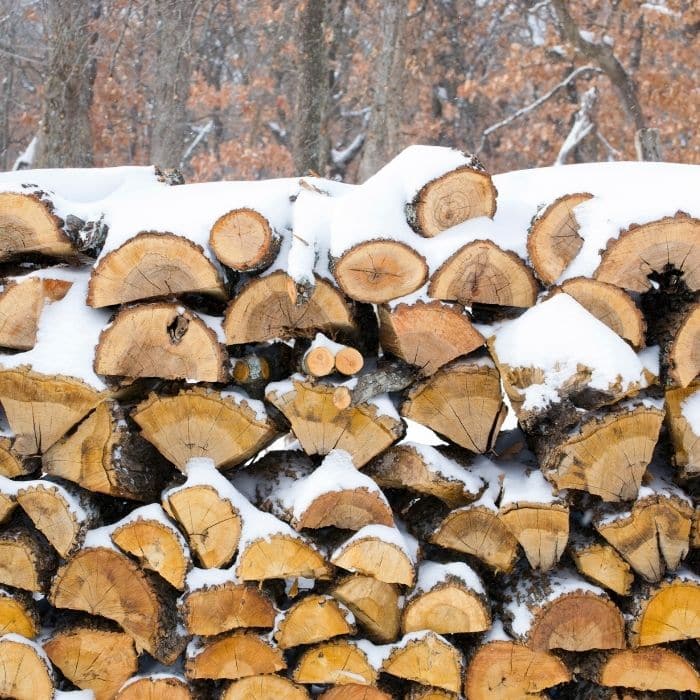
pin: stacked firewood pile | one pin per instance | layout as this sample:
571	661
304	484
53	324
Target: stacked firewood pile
407	439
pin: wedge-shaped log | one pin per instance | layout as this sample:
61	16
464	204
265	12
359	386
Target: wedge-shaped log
233	656
42	409
601	564
422	692
11	464
154	688
313	619
160	340
152	265
354	692
338	662
504	670
363	431
28	225
25	673
428	659
267	687
561	611
684	351
554	240
93	659
18	613
427	334
669	243
667	612
266	309
8	505
609	304
461	401
447	599
683	423
103	582
374	603
481	272
104	456
26	560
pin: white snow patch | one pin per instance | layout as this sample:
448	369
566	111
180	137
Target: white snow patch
690	410
432	574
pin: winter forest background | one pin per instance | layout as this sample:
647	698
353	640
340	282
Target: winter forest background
246	89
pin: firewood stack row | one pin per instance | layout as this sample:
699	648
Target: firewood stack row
298	439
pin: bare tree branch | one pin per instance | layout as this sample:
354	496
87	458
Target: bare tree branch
584	124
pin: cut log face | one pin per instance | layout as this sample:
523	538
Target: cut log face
667	613
267	687
669	243
337	663
684	439
346	510
313	619
606	456
204	423
18	614
281	557
42	409
27	225
318	362
215	609
378	271
354	692
461	194
462	401
102	582
609	304
155	689
481	272
24	674
235	656
266	309
603	565
160	340
428	335
243	240
26	562
11	465
211	523
502	670
152	265
684	352
94	659
554	240
349	361
374	603
8	505
649	669
421	692
321	426
428	659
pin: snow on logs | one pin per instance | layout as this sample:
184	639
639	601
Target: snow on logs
148	515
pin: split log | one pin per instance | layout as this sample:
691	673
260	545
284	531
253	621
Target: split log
601	564
649	669
481	272
381	552
93	659
160	340
103	456
266	309
338	663
42	409
12	465
152	265
667	612
424	470
154	688
268	687
244	240
374	603
212	608
461	401
226	427
25	672
100	581
447	599
8	500
684	351
315	618
233	656
18	613
421	692
320	425
464	193
21	304
683	423
610	305
378	271
428	335
428	659
671	243
26	560
29	226
355	692
554	241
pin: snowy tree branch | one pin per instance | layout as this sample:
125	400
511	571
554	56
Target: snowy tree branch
584	124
